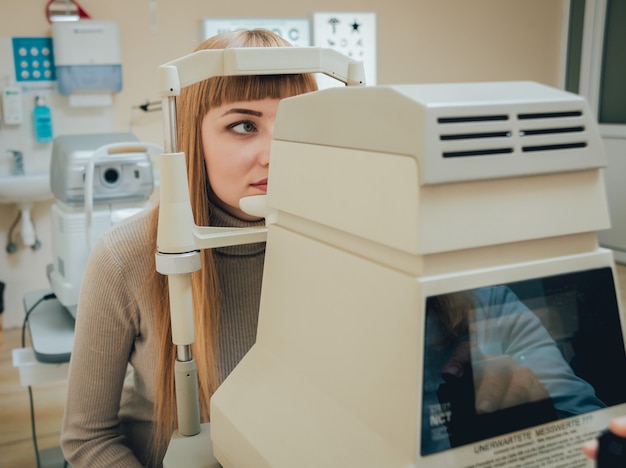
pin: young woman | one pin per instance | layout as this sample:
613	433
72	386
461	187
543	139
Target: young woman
121	407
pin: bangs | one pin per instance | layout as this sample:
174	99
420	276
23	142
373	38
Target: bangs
196	100
227	89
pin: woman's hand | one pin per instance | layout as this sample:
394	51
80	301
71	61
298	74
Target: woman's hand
617	426
499	382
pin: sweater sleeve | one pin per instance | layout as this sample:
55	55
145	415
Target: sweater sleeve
106	327
518	332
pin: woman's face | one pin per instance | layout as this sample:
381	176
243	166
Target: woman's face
236	140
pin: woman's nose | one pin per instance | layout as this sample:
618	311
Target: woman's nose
264	157
265	150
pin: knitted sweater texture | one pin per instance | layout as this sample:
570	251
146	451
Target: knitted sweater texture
108	414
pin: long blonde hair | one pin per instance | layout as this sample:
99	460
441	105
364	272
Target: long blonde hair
454	312
192	105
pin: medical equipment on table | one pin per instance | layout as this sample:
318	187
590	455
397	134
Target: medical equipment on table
391	197
179	239
98	180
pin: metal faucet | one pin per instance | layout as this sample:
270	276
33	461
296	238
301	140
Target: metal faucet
18	160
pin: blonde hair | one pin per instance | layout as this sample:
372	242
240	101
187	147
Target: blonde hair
192	105
454	312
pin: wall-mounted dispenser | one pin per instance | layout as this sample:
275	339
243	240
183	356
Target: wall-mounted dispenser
42	121
88	61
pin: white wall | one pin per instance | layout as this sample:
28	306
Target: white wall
418	41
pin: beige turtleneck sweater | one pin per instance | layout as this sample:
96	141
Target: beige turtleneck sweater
108	414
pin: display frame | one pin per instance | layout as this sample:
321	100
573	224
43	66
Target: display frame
559	441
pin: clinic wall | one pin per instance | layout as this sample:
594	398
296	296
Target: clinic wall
419	41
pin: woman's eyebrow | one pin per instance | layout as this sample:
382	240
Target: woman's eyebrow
243	111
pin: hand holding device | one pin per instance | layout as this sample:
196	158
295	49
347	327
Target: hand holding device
609	449
490	395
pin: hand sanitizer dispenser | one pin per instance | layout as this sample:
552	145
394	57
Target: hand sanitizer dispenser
42	121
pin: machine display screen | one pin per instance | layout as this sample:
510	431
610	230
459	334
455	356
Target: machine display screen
506	357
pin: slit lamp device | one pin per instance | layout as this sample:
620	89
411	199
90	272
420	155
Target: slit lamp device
427	190
179	239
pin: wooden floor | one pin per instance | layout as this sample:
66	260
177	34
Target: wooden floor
16	442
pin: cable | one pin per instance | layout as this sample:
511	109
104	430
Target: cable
28	312
32	425
30	390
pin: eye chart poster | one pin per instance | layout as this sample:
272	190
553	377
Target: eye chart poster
352	34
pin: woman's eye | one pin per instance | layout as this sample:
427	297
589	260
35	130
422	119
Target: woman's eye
243	127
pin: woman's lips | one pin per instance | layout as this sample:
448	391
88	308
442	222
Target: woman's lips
261	185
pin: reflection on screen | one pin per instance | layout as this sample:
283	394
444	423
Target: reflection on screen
502	358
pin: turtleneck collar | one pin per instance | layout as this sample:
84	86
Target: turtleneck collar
220	218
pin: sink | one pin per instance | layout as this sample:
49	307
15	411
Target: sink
25	189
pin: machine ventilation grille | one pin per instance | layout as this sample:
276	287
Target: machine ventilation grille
502	134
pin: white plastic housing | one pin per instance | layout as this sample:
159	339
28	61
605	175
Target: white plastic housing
384	196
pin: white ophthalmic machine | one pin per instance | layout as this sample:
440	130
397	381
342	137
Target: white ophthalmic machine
390	208
98	180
